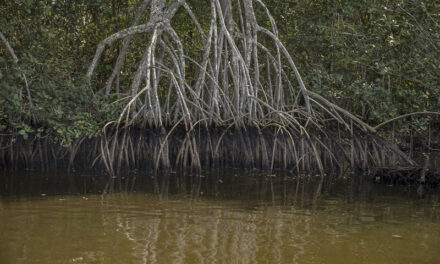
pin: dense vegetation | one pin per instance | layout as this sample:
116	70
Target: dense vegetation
378	59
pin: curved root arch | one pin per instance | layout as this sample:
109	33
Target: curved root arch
240	76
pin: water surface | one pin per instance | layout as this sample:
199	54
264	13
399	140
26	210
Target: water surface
370	224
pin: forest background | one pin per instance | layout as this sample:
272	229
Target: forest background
377	59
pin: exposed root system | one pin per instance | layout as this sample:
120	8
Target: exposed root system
269	149
243	105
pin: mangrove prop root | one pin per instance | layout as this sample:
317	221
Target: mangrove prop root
241	77
270	149
233	105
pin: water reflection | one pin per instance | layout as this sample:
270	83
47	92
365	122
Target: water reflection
247	224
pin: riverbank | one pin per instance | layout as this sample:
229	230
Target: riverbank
160	152
268	148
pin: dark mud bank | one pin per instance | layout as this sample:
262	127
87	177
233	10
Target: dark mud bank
206	148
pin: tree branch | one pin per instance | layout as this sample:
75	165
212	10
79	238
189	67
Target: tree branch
405	115
9	48
15	59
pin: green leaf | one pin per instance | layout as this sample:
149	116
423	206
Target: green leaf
23	133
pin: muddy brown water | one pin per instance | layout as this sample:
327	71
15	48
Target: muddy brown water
243	221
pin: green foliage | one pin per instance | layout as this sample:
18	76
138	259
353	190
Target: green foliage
63	108
54	41
378	59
